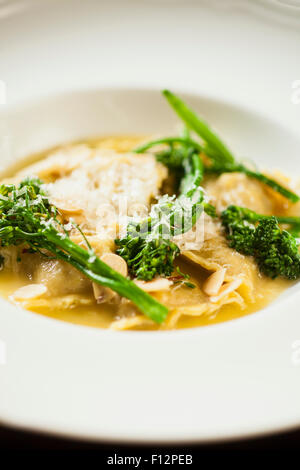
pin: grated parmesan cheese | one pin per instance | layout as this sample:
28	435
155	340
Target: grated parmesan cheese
105	187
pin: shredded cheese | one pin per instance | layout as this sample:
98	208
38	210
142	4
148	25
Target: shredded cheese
106	187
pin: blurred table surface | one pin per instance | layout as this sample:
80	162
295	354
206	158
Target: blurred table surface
11	439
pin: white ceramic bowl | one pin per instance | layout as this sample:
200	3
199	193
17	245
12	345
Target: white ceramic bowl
230	380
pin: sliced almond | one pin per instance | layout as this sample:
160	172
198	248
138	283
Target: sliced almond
31	291
116	262
102	294
226	289
155	285
214	282
67	207
130	322
105	294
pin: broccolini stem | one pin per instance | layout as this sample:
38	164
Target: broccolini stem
99	272
271	183
193	169
169	140
253	217
237	167
199	126
216	150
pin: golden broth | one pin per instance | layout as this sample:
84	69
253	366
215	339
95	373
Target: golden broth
100	316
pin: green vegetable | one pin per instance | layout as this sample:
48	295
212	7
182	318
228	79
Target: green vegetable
239	232
218	169
173	157
147	258
184	141
28	217
181	157
147	247
222	159
275	250
189	284
252	216
192	121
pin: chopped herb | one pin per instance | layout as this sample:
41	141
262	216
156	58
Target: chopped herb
190	285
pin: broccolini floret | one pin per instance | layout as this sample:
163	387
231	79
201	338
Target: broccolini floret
275	250
239	232
148	258
147	246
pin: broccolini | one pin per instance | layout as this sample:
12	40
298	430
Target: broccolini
27	217
221	160
275	250
148	247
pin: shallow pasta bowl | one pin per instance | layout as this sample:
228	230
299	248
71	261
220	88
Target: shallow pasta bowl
234	379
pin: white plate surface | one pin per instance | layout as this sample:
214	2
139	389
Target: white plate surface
236	379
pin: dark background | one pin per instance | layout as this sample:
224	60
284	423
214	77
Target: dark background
11	439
